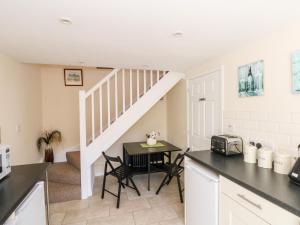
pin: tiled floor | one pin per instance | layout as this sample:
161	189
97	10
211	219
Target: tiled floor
148	209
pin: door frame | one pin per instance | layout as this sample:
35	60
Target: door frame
219	69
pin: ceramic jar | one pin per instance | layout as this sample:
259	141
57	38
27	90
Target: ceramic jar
265	157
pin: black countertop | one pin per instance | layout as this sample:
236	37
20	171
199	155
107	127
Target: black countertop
272	186
15	187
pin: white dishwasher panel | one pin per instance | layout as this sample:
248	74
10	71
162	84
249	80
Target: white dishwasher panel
201	195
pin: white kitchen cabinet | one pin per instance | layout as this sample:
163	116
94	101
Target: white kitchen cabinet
239	206
201	195
232	213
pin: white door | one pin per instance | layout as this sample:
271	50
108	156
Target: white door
232	213
205	109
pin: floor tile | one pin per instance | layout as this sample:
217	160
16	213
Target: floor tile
122	219
129	206
147	209
82	215
154	215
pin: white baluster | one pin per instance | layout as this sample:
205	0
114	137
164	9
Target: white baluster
145	82
100	108
93	116
108	103
138	84
123	88
130	86
82	107
116	95
157	76
151	77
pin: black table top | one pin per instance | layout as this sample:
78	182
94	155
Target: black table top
135	148
272	186
15	187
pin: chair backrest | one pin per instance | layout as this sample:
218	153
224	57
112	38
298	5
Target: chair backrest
110	159
180	158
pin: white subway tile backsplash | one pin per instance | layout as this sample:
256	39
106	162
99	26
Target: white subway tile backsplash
259	116
250	125
229	114
243	115
289	128
267	127
279	139
282	117
276	129
296	117
295	140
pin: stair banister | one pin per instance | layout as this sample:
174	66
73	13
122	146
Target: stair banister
101	82
122	112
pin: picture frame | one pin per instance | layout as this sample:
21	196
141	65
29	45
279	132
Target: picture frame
73	77
296	72
251	79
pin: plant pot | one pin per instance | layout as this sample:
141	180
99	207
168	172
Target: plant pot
151	141
49	156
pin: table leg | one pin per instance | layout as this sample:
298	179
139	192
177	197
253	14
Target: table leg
170	161
148	172
125	161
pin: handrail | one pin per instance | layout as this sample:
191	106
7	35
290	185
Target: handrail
114	107
96	86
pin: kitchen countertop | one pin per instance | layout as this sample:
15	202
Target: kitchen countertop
15	187
272	186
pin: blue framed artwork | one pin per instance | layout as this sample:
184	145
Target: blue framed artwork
296	72
251	79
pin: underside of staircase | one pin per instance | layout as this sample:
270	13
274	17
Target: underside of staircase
64	181
111	107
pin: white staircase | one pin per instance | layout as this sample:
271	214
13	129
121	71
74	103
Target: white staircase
111	107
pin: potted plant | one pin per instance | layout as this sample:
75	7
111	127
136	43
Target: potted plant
45	142
151	137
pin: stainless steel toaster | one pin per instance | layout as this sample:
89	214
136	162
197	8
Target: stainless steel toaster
227	144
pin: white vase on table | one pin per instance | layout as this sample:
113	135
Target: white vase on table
151	141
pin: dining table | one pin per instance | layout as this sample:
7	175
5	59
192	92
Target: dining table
146	159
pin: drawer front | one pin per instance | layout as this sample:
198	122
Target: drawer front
235	214
270	212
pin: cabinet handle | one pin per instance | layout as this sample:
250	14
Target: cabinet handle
202	99
249	201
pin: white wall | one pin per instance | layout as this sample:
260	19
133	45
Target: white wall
176	115
60	108
275	117
60	104
20	100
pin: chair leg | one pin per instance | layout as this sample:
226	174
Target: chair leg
119	195
179	188
162	183
103	186
170	179
137	190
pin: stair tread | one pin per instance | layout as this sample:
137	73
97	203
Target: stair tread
74	158
59	192
64	173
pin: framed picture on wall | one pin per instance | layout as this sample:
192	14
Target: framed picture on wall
296	72
251	79
73	77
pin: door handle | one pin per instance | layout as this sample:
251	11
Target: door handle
202	99
249	201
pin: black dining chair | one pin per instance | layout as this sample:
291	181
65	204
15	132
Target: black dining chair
120	172
172	170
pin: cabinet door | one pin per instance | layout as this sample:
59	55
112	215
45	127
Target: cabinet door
232	213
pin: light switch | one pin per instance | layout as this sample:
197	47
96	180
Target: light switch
18	128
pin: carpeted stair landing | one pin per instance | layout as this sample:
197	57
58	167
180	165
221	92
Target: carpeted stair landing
64	179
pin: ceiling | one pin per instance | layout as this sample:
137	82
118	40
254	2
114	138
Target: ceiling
135	33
